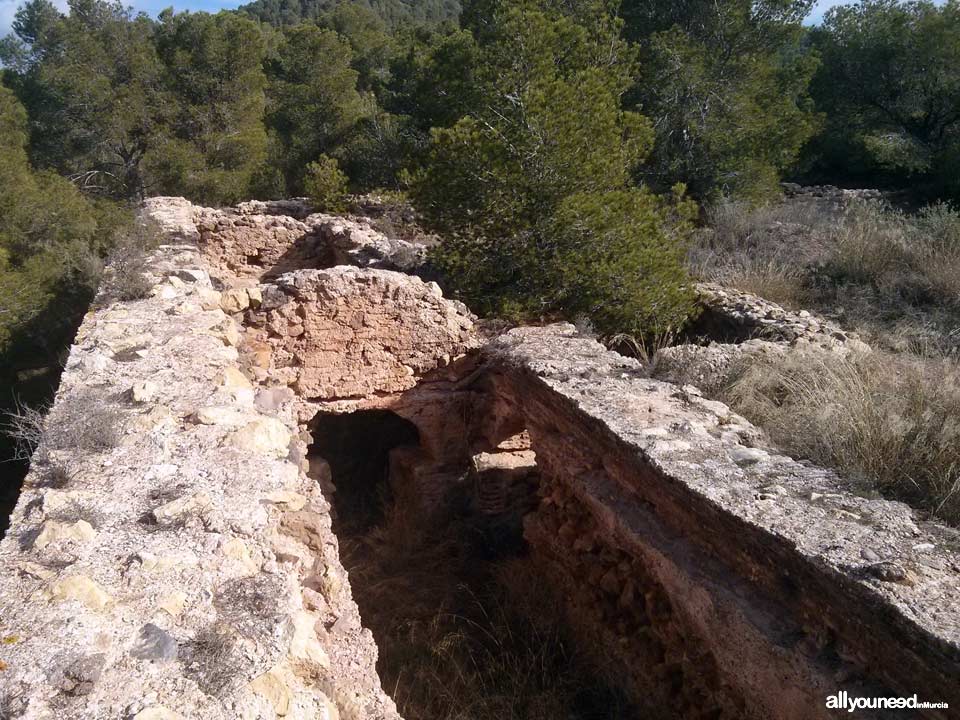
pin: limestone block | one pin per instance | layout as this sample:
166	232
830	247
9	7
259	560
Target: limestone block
274	685
287	500
304	645
208	298
231	378
268	436
181	508
144	391
174	603
221	415
52	531
82	589
234	300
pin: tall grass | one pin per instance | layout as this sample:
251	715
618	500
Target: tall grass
890	421
893	276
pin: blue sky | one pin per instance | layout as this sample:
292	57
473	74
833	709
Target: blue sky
152	7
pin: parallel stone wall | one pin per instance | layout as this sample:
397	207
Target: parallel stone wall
169	556
722	580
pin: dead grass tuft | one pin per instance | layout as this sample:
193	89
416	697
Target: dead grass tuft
215	661
126	272
11	705
85	420
891	421
25	426
249	605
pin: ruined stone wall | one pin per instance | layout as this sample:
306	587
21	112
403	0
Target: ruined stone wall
723	580
184	565
169	556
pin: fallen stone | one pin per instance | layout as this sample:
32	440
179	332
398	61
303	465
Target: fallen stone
192	275
155	644
144	391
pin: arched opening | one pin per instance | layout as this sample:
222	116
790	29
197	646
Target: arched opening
357	448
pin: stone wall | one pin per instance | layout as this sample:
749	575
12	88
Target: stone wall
169	556
722	580
178	561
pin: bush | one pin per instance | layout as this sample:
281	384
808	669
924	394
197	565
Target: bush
617	259
531	191
889	421
326	185
126	274
85	420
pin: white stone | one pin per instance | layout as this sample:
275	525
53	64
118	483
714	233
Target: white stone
264	435
288	500
144	391
181	508
81	589
52	531
220	415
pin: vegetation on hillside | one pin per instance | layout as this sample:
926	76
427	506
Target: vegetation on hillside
889	88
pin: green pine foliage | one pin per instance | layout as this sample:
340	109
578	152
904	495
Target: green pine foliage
217	140
326	185
313	101
726	85
889	84
51	238
517	187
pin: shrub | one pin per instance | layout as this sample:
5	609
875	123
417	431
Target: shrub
126	273
615	258
890	421
326	185
531	191
85	420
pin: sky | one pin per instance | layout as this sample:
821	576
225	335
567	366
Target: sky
152	7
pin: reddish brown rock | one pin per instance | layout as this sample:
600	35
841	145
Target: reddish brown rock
347	332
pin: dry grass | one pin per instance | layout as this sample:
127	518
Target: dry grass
125	276
891	276
891	421
215	661
25	426
249	605
85	420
